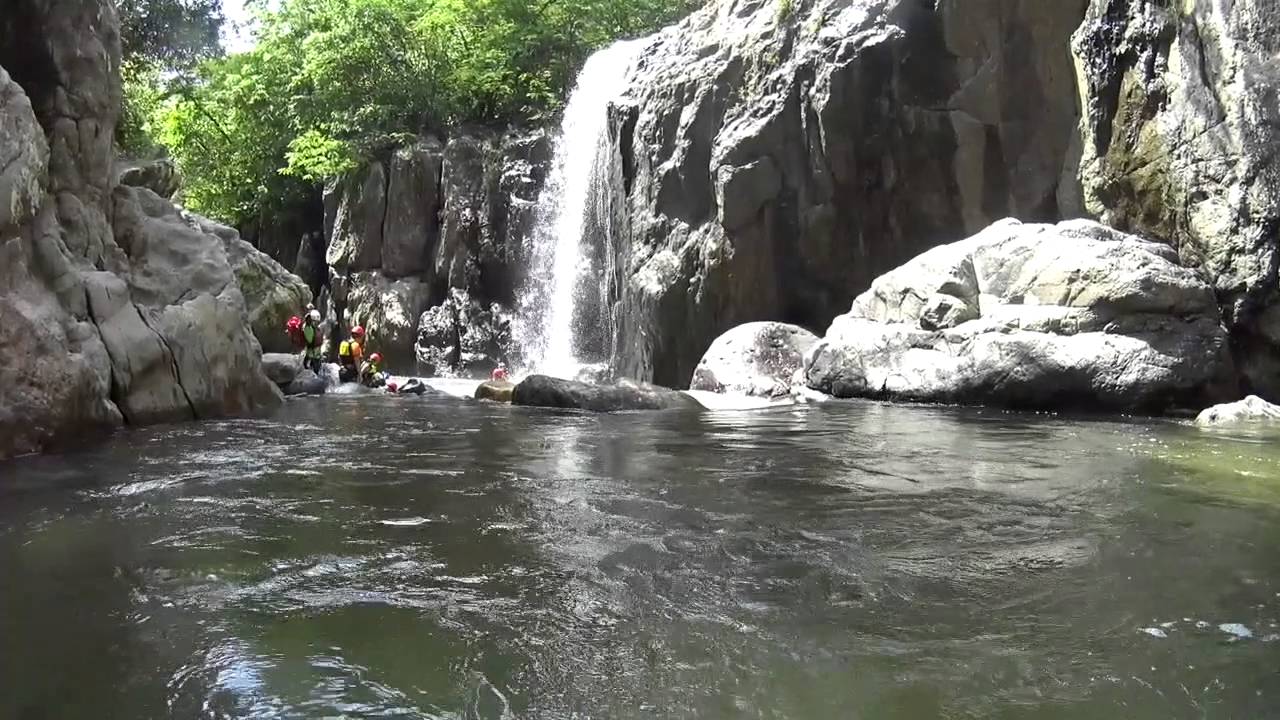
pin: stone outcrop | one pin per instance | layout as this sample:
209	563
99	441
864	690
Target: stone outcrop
1180	133
1033	316
281	368
425	248
771	159
545	391
760	359
1248	410
114	306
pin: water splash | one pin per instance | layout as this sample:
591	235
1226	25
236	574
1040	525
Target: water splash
545	325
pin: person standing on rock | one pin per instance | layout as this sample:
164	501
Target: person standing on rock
350	356
312	339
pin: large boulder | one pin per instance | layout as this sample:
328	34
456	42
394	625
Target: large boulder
461	336
1033	316
306	383
281	368
496	390
181	344
546	391
770	159
271	294
1250	409
759	358
1181	131
389	311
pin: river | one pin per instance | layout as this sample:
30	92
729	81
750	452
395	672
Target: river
391	557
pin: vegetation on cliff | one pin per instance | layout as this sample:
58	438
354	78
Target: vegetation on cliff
332	81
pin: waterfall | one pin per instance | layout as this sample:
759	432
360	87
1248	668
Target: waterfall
549	301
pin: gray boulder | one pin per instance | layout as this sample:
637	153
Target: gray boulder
389	311
1032	316
306	383
1250	409
496	390
271	294
281	368
545	391
759	358
1181	129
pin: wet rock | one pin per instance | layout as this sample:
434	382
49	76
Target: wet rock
496	390
1180	133
1051	316
771	165
545	391
160	176
460	336
281	368
1250	409
306	383
758	359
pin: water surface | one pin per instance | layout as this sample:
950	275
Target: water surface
369	556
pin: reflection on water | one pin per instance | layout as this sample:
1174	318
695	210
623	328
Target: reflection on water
433	557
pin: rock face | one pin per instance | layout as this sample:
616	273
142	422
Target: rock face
1033	316
1250	409
281	368
160	176
759	359
426	248
544	391
462	337
770	163
114	307
1180	133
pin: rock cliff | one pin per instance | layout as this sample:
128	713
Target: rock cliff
773	158
1180	133
114	306
425	249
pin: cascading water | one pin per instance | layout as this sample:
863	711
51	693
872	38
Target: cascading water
545	325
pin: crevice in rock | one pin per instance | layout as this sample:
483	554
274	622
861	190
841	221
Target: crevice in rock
173	361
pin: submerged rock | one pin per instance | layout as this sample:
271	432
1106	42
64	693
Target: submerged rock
496	390
1032	316
545	391
1250	409
759	358
306	383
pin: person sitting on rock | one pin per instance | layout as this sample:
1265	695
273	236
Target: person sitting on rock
350	356
371	374
312	339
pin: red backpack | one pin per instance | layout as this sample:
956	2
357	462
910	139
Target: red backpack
294	328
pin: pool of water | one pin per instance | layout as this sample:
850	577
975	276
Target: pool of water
373	556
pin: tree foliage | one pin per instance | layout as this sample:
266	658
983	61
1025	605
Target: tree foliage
333	81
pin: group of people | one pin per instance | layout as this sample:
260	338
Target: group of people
307	334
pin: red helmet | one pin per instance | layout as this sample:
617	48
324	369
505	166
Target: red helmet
357	331
376	357
294	323
499	374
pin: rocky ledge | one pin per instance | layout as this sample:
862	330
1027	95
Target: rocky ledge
546	391
1033	316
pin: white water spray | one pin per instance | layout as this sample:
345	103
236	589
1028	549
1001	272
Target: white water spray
549	300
